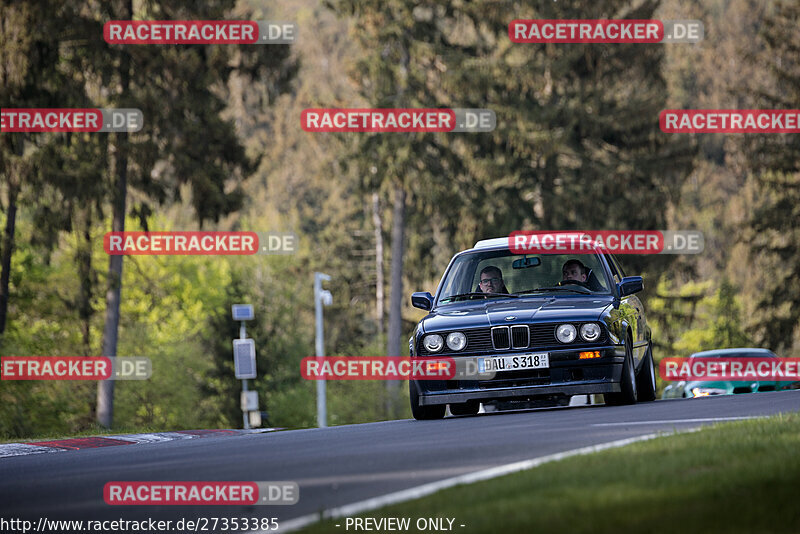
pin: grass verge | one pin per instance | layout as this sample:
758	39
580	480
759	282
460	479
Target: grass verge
733	477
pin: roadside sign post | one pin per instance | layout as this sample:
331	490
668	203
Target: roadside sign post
244	360
321	297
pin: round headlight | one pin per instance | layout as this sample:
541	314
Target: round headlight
590	332
433	343
566	333
456	341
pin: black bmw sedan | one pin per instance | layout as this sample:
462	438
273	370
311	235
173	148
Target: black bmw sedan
540	327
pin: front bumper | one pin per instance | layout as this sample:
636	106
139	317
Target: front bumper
567	375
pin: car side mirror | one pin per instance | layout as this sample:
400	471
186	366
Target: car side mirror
630	285
422	300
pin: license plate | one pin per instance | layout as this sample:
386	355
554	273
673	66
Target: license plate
519	362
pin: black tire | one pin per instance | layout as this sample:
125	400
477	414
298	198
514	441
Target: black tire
646	380
466	408
420	413
629	392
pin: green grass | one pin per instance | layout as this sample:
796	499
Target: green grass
733	477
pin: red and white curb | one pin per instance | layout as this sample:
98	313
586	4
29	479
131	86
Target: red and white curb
69	444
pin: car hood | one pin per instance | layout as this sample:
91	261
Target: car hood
493	312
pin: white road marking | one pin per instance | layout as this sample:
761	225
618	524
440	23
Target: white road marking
673	421
382	476
433	487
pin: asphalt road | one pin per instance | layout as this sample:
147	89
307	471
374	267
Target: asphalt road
342	465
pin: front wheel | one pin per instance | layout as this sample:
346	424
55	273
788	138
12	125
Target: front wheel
435	411
629	393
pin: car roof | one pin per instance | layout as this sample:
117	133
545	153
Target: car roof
728	352
492	243
502	242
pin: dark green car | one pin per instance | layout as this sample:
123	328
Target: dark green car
694	389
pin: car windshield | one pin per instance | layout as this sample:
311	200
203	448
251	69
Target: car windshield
501	274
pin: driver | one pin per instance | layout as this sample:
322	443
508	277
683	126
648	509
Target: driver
491	280
574	270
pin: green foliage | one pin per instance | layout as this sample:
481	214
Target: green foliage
53	55
696	317
773	160
725	195
577	145
283	334
774	241
164	314
720	324
167	301
358	401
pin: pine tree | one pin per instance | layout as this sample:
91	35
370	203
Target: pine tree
774	163
186	141
577	143
33	74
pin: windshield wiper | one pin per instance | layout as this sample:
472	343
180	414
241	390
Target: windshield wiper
548	289
479	294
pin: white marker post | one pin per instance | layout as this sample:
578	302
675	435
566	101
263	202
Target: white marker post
321	297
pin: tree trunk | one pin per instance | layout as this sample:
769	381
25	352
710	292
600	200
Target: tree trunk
8	247
376	221
105	388
396	297
14	169
83	259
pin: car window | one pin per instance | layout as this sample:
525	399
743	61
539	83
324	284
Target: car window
618	266
456	279
465	274
548	274
616	270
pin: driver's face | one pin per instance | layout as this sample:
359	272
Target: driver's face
491	282
573	272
